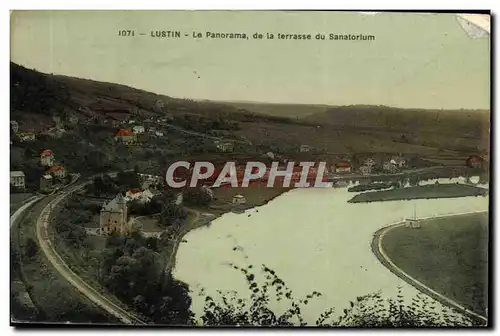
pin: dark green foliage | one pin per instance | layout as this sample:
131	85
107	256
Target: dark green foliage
368	311
197	196
134	271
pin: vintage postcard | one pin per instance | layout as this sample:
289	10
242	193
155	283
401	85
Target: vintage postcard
250	168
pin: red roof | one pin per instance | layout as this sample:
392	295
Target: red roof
475	158
135	190
124	132
343	164
46	152
53	169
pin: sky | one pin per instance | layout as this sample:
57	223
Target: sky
415	61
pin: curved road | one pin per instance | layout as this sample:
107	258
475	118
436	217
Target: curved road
59	264
379	252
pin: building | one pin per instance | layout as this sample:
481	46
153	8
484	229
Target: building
412	223
46	183
342	167
17	179
26	136
398	161
126	136
365	170
369	162
224	146
474	161
14	125
159	134
136	194
114	217
58	171
390	167
239	199
47	158
138	129
304	148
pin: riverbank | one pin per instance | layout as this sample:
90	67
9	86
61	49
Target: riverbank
420	192
446	259
199	217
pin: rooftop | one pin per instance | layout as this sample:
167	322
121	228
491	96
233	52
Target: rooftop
16	173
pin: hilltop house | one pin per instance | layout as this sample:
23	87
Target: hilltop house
342	167
125	135
17	179
58	171
47	158
46	182
304	148
14	125
224	146
138	129
114	217
26	136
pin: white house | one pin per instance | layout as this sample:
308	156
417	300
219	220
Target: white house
138	129
143	196
412	223
304	148
239	199
17	179
14	125
159	134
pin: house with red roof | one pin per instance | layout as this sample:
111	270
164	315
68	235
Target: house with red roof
47	158
59	171
342	167
126	136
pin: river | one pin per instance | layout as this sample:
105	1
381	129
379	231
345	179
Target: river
313	239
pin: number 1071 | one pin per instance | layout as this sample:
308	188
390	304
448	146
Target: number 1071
126	33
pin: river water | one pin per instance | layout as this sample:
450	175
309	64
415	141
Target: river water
313	239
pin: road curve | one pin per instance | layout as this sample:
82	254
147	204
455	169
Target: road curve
59	264
386	261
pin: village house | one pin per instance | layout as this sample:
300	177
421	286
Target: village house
14	125
58	171
26	136
474	161
304	148
369	162
136	194
46	183
47	158
224	146
412	223
131	121
365	170
138	129
398	161
342	167
17	179
390	167
114	217
159	134
126	136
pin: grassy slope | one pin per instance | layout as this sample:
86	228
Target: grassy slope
450	255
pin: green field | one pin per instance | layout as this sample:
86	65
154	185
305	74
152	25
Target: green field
450	255
426	191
